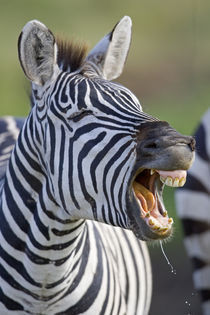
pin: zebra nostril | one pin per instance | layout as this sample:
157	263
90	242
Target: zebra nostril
151	145
192	144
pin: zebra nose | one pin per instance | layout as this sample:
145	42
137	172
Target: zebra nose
152	146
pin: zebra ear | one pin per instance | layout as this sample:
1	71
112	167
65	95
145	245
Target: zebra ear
110	54
37	52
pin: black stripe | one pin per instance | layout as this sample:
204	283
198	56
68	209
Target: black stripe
19	267
114	158
120	199
198	263
9	303
83	153
94	126
33	163
82	88
135	267
72	89
70	174
205	295
120	242
23	194
194	184
18	244
26	138
132	129
17	286
115	109
109	111
35	135
58	88
100	156
91	293
60	117
61	163
122	218
76	117
107	298
52	145
17	215
61	233
103	211
36	185
200	137
192	227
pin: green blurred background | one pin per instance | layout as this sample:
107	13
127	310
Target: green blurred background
168	68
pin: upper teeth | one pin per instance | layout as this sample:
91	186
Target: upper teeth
171	181
176	182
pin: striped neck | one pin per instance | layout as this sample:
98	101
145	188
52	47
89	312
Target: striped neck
47	242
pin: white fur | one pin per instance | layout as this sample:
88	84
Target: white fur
197	244
201	278
206	308
193	206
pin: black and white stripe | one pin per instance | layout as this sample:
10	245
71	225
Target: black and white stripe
50	243
9	131
193	204
67	166
67	200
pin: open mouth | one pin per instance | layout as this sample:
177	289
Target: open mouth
148	188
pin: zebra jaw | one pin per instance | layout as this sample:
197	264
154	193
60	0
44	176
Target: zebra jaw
148	187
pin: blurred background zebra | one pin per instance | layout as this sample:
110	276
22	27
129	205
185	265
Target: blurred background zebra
193	205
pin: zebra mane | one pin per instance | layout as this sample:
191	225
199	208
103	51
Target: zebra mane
70	57
71	54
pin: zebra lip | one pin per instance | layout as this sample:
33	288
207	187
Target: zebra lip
148	187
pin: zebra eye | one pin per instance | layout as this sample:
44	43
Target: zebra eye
75	117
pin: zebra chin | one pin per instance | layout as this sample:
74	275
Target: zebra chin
163	158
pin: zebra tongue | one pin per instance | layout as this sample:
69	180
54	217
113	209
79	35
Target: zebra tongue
145	196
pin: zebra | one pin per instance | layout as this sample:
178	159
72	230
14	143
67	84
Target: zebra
193	206
83	186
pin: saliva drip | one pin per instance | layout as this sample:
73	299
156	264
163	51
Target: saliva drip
188	304
168	262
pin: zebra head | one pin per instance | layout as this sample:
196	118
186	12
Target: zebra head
103	157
